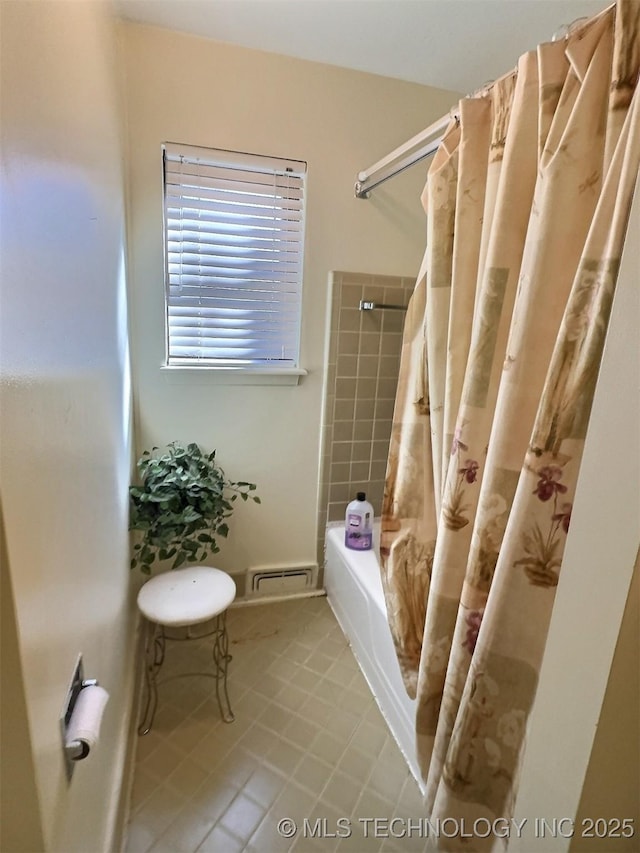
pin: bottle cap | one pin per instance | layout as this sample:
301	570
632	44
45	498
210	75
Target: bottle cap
361	496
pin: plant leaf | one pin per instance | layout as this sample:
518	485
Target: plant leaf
179	560
181	504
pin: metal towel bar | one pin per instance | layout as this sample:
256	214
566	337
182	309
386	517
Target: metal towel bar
372	306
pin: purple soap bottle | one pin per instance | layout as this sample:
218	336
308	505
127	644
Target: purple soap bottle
358	524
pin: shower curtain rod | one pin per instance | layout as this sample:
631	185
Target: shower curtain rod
426	142
417	148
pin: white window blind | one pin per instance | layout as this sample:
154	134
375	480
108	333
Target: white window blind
234	233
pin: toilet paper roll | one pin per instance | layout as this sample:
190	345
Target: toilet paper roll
84	725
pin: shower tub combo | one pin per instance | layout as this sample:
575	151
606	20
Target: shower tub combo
354	590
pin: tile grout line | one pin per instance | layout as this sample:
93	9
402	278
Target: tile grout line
316	630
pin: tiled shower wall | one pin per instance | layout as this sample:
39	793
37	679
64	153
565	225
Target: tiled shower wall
364	358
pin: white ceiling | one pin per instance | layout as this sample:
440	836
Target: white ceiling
452	44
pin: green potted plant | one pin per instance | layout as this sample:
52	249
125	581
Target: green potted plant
181	506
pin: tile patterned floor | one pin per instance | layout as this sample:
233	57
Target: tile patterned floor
308	742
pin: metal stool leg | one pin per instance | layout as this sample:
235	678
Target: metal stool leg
221	658
154	658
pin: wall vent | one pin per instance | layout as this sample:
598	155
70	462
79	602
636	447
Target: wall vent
280	581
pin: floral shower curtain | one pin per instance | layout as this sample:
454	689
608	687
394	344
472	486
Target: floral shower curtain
527	201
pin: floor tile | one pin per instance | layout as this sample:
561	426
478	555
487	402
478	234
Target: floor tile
221	841
242	817
293	803
159	810
267	839
341	792
328	747
213	798
357	764
163	761
411	802
308	744
326	825
139	837
264	786
360	842
187	735
187	777
237	766
185	833
284	756
144	784
312	773
274	717
292	696
304	679
300	731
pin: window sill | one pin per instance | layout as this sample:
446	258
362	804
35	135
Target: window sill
181	375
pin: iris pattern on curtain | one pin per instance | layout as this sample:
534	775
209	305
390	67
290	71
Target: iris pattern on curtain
527	201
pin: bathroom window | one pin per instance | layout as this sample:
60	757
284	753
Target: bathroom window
234	240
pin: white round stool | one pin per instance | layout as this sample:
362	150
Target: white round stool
181	598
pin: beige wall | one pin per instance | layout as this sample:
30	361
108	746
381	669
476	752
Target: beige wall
612	785
184	89
65	450
20	820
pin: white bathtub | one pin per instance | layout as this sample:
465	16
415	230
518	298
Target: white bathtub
354	589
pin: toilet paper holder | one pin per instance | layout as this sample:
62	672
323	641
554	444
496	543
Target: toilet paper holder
74	750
